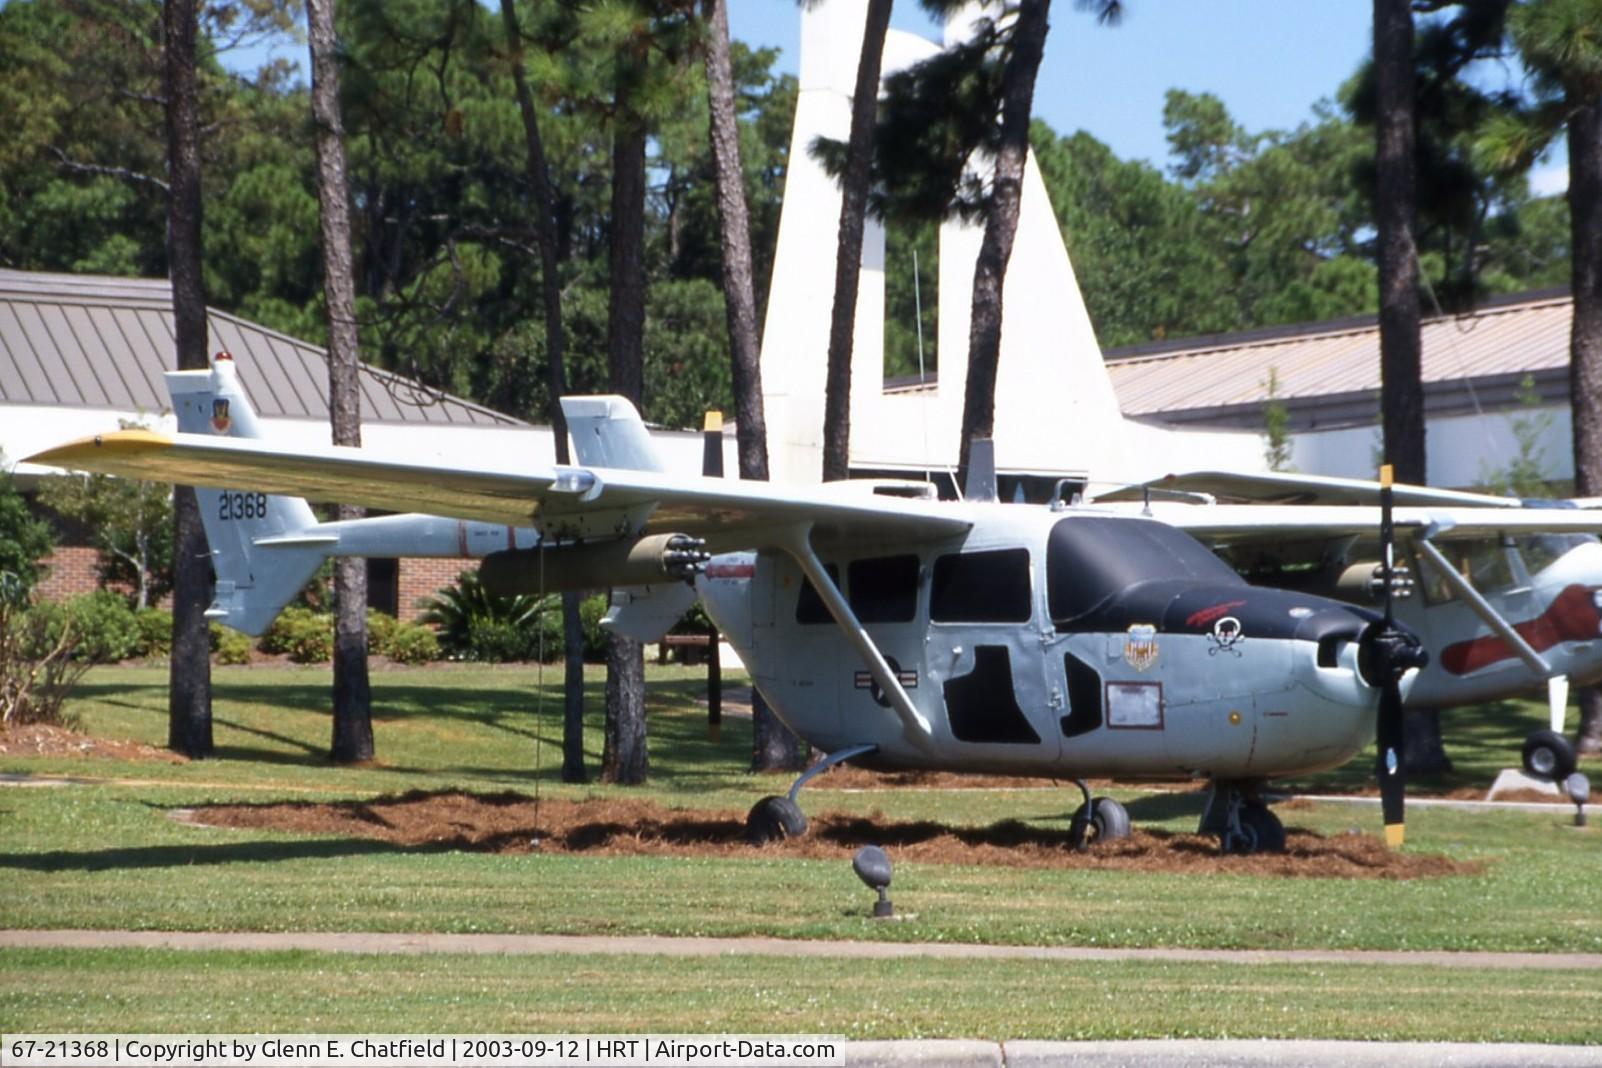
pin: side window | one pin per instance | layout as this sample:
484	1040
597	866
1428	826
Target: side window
884	589
809	608
984	587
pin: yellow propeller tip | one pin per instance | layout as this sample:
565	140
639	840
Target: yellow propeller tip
1387	476
1394	833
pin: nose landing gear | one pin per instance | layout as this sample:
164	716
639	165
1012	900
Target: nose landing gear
1240	818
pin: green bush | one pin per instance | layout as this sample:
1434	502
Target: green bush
381	630
474	624
106	628
155	632
412	643
232	647
300	633
591	609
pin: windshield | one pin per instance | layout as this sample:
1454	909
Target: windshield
1092	558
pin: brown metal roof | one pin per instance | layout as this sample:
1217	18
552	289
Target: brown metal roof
1494	345
99	342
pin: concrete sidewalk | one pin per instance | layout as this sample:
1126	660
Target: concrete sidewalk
651	945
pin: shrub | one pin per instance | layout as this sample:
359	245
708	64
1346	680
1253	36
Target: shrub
413	643
474	624
155	632
591	609
232	647
37	668
295	629
106	628
381	630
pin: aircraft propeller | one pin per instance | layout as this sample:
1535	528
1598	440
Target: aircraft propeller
1389	653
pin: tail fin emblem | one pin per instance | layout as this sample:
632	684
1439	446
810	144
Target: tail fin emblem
220	422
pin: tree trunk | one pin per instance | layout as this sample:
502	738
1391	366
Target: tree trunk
734	233
773	747
353	724
1001	225
1396	211
1585	341
848	249
623	758
189	687
539	180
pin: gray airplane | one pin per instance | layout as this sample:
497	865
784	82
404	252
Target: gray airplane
881	624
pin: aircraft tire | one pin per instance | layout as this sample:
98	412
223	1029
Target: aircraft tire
1549	755
1260	832
774	819
1110	822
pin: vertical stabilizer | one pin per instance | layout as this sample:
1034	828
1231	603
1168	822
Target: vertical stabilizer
608	432
263	548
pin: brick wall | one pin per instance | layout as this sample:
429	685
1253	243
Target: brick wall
72	571
420	578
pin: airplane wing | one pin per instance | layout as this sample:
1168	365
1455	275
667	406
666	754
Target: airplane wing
1271	487
563	502
1270	523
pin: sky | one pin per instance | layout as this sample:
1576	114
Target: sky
1269	61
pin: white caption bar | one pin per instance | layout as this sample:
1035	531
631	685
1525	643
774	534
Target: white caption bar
420	1051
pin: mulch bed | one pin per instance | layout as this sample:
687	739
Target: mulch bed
42	739
510	823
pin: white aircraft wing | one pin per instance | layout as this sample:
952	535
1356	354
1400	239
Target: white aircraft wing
1271	487
1268	523
563	502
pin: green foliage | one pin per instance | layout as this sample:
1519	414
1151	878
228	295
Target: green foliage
591	609
128	521
471	623
412	643
155	632
102	628
230	646
381	628
1524	475
305	636
24	539
1276	427
37	665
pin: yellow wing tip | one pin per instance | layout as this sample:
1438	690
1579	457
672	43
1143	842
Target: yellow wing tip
1394	833
117	442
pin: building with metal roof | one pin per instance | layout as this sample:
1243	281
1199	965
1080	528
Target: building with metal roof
1505	361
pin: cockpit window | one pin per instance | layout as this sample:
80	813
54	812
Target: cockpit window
1092	558
983	587
1483	561
1541	551
884	589
809	606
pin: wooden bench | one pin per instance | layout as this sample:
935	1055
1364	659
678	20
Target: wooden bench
694	647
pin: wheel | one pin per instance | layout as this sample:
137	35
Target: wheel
1260	832
1109	822
1548	755
774	819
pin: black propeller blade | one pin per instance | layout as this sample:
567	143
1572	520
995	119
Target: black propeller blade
1390	653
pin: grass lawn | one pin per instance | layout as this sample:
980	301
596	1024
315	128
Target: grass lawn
107	855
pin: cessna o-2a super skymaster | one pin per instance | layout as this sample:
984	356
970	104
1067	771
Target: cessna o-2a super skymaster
880	623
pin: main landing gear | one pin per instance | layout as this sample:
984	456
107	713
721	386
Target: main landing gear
1237	814
1099	819
774	818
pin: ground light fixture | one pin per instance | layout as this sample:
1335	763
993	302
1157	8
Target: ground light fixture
873	868
1578	787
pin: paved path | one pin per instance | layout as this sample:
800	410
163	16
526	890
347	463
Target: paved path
651	945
